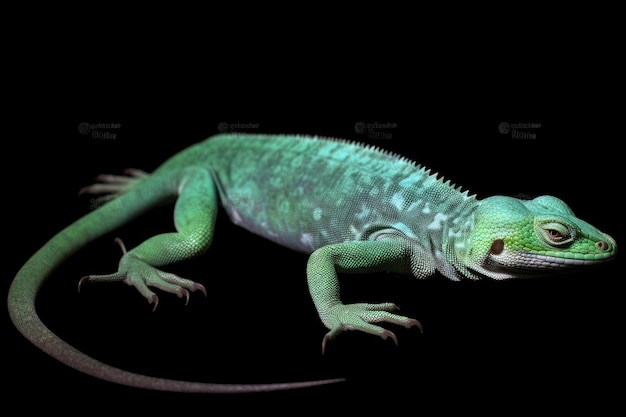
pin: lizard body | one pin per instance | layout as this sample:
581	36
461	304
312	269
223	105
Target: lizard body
353	208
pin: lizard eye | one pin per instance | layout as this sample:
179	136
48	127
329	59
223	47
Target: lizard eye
555	233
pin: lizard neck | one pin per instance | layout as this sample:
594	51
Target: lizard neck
448	230
454	241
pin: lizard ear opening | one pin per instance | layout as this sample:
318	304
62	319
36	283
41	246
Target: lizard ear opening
497	246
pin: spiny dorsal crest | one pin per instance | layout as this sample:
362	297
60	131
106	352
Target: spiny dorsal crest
375	149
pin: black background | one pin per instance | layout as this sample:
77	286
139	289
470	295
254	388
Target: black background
534	344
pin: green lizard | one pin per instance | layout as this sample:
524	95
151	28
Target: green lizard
353	208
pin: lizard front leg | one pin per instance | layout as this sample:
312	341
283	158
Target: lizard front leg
194	217
394	255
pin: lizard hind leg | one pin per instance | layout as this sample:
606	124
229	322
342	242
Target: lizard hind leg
195	212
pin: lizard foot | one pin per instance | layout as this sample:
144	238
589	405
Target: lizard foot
135	272
112	186
361	316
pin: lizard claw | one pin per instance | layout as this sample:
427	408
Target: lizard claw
200	287
82	281
416	323
155	301
328	337
324	341
388	333
184	293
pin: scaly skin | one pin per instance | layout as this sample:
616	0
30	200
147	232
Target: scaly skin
353	208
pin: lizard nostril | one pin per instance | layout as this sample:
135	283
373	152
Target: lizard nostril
602	245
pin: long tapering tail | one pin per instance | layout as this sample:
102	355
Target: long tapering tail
29	279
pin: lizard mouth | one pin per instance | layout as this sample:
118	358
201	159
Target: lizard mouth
534	261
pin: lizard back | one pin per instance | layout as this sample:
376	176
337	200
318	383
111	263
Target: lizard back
307	192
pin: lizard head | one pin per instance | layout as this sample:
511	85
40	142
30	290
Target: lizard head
513	238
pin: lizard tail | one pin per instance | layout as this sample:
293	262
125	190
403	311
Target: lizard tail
30	278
